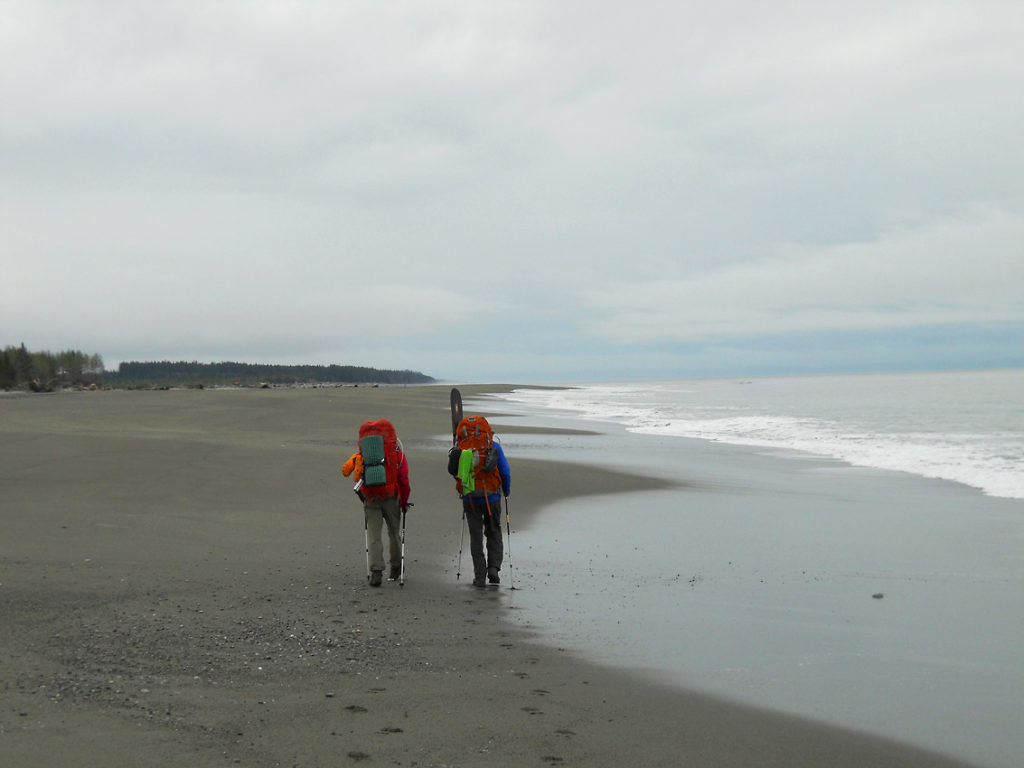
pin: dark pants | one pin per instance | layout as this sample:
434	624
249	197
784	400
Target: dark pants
483	518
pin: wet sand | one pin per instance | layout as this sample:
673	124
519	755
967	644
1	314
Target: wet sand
183	583
879	600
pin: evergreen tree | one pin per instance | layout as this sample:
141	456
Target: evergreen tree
6	370
22	361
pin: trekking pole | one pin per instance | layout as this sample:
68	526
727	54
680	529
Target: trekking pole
458	571
358	490
366	538
401	577
508	547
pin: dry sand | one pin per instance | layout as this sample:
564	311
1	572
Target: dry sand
183	584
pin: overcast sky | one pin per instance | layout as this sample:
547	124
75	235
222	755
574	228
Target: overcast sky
516	191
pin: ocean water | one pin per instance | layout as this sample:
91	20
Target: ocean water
964	426
803	564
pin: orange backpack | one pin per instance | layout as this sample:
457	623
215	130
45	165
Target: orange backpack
379	447
474	434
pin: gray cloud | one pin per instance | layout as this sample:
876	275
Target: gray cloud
587	181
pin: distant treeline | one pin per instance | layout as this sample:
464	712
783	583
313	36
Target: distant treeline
42	371
21	368
166	373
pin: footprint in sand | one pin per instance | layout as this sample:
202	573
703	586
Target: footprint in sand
376	690
540	692
391	730
531	710
521	675
356	708
358	756
565	732
551	759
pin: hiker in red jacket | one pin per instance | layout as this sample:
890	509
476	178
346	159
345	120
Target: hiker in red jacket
384	489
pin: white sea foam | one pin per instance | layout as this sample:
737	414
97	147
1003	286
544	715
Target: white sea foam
966	427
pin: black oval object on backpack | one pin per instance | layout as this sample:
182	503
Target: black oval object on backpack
492	459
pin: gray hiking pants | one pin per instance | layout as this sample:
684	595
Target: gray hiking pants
484	519
379	511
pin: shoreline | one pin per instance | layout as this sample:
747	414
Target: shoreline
848	577
876	421
183	583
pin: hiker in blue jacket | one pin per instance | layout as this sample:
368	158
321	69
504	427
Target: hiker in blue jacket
482	477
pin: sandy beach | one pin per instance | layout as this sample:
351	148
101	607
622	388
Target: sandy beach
183	584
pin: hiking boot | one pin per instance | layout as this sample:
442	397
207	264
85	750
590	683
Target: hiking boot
375	578
479	581
492	576
396	572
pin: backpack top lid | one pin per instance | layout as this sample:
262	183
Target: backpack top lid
381	427
474	432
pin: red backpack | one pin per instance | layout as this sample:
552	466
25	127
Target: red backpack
474	434
379	447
